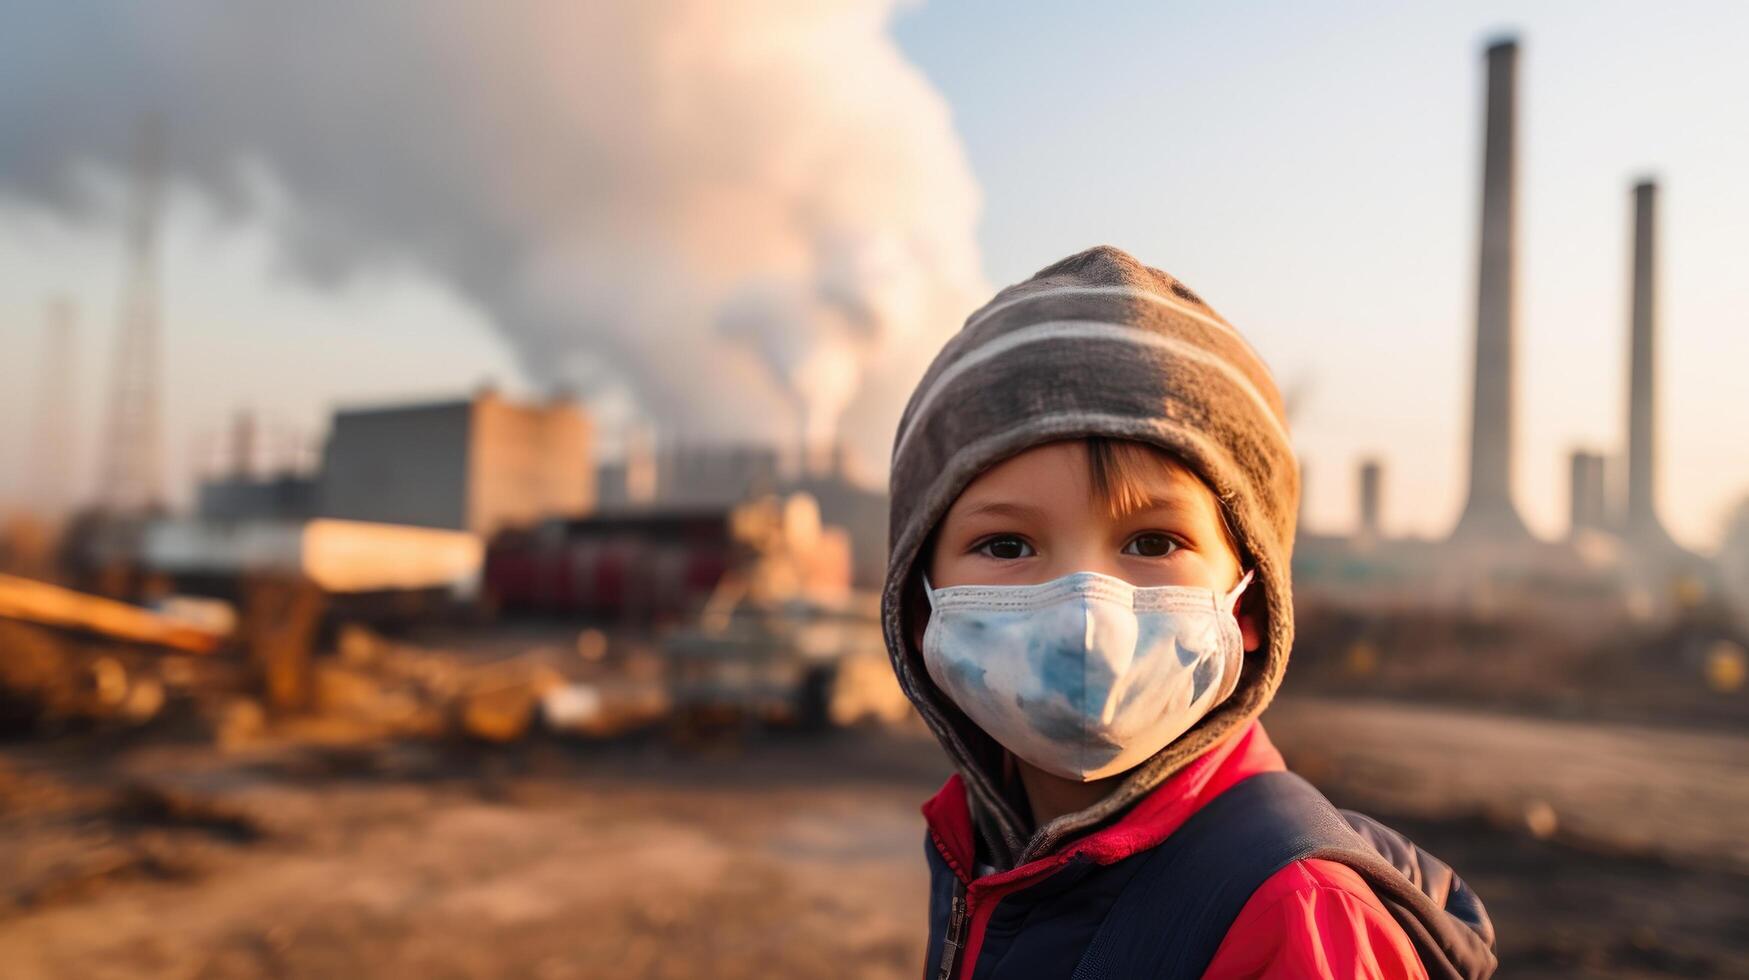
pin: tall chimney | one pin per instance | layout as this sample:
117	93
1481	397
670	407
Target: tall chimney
1489	512
1305	487
243	445
1370	479
1587	508
1641	519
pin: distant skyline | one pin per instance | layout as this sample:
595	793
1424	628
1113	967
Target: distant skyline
1313	172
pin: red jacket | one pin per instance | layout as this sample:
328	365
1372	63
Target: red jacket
1311	919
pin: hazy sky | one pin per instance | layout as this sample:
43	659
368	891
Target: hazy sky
1311	170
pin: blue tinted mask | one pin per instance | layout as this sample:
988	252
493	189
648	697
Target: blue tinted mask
1086	675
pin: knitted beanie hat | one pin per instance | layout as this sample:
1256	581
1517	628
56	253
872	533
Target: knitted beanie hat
1095	345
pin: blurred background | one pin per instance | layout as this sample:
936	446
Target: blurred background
442	496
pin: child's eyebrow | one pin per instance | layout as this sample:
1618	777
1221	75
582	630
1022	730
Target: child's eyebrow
1002	508
1156	505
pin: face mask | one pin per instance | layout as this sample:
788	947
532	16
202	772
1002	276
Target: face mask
1086	675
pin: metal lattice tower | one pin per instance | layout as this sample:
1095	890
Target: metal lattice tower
51	463
129	469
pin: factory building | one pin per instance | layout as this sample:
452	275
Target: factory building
691	477
240	497
478	464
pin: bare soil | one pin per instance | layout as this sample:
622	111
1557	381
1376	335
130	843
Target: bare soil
776	855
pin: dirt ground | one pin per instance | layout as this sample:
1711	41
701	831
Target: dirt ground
1600	850
783	855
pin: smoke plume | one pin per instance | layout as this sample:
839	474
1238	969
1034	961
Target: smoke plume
754	219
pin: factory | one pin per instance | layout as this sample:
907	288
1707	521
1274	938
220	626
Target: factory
485	464
553	530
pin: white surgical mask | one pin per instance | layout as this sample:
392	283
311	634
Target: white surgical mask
1086	675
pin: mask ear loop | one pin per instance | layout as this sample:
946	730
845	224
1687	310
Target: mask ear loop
1231	599
928	594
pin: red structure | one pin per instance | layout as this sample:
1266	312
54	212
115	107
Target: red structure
641	567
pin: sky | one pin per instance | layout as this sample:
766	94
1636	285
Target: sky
1313	171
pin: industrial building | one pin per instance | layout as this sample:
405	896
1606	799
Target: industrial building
692	477
478	464
242	497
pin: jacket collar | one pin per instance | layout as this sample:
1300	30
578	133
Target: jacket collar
1246	752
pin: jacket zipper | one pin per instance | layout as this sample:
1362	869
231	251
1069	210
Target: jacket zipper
956	925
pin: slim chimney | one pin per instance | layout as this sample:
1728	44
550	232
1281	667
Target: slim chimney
1641	520
243	445
1586	509
1370	480
1489	512
1305	491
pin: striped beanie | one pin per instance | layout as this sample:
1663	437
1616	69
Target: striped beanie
1095	345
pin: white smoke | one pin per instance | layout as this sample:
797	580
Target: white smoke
752	218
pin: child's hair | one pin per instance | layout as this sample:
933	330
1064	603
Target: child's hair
1119	472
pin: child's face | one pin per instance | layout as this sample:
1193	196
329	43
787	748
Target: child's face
1035	517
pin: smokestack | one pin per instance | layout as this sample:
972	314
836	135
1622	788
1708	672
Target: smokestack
641	468
1305	491
243	445
1370	478
1489	512
1586	508
1641	521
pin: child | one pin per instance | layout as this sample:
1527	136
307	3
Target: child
1088	600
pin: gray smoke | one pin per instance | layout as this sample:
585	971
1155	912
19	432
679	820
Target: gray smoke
754	218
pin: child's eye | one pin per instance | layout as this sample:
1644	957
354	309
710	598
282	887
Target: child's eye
1005	547
1150	544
